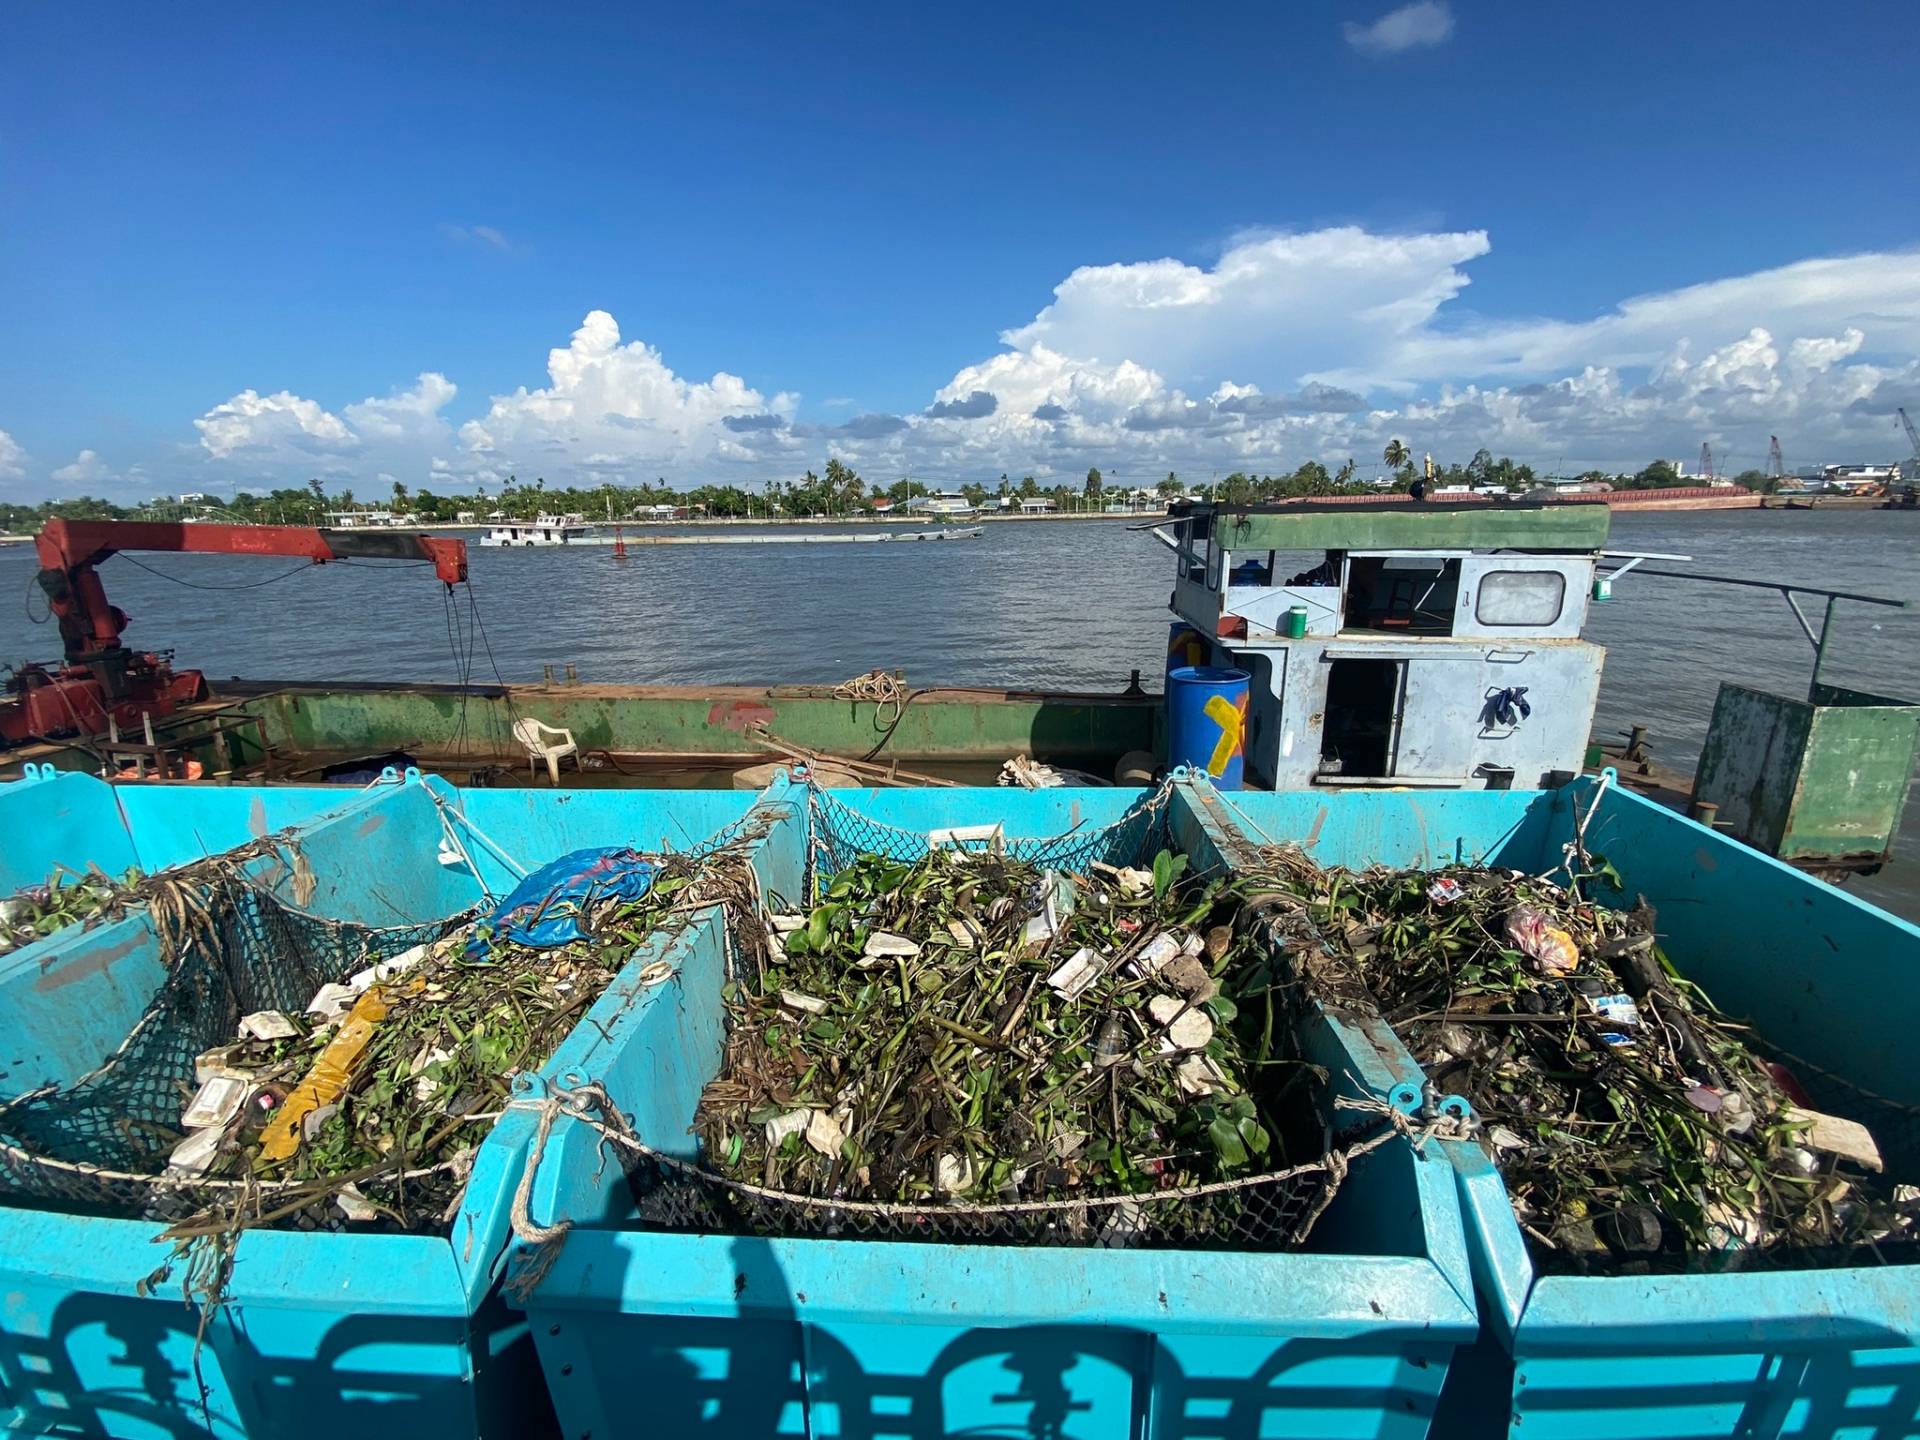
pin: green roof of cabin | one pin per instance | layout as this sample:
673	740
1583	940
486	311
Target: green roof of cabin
1413	525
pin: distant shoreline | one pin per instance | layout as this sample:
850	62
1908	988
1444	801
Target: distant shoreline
1630	500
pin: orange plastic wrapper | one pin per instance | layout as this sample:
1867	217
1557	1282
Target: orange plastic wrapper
327	1081
1551	949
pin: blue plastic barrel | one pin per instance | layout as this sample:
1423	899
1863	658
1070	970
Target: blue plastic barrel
1207	721
1185	646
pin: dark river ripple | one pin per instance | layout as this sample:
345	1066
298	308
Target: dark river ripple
1066	606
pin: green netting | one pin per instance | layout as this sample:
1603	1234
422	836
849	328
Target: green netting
839	834
101	1142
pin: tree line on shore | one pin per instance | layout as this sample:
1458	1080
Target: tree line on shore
837	490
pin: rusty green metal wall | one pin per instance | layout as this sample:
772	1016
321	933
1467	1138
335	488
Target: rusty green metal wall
1805	781
1853	781
962	725
1417	527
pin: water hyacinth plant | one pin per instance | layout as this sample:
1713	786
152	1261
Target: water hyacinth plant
970	1029
70	897
1633	1123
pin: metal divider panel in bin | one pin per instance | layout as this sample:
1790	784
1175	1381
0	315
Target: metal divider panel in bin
59	817
744	1335
63	823
315	1325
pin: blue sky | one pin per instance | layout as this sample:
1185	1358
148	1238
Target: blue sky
852	209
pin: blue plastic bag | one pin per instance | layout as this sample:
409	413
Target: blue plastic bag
545	909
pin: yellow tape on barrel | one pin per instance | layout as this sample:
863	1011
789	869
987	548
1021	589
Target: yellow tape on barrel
1232	720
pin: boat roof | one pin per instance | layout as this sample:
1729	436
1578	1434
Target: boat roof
1409	525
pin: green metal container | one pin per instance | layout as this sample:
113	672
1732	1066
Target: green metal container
1821	782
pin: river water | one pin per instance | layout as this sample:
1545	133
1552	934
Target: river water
1055	605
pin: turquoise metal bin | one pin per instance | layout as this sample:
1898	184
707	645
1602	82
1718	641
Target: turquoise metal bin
61	817
1777	1353
324	1335
673	1334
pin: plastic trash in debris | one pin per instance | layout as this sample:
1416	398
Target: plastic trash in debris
969	839
1836	1135
398	965
1000	1069
246	1060
425	1086
545	910
824	1133
1616	1010
194	1155
1198	1075
1445	890
1157	952
1134	883
1187	1026
1630	1122
789	1122
329	1077
1053	897
332	1001
1076	974
268	1025
1551	949
215	1103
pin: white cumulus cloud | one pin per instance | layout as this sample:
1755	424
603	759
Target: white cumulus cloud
87	469
407	414
13	458
1411	27
252	423
622	402
1288	346
1274	307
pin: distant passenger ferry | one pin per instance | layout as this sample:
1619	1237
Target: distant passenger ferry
544	530
943	504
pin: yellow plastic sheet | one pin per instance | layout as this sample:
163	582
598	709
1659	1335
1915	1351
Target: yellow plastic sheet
327	1081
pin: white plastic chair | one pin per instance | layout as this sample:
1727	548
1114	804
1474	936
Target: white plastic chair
532	734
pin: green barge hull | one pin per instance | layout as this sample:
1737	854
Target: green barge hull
629	733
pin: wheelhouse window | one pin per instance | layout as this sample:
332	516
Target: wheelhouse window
1530	598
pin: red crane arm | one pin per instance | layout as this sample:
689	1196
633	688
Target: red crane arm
70	549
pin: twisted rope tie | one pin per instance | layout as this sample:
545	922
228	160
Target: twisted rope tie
590	1105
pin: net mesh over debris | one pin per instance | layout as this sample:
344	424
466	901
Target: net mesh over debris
99	1143
840	835
1267	1211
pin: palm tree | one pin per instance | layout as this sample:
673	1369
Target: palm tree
1396	455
